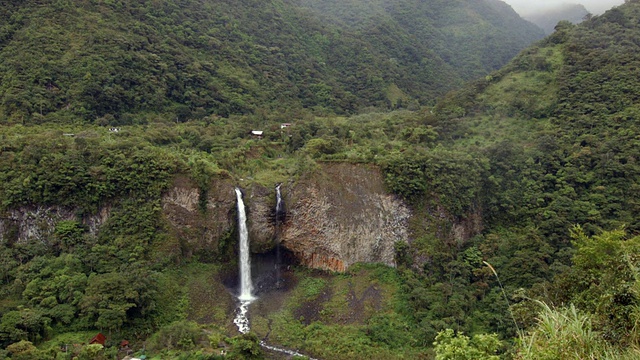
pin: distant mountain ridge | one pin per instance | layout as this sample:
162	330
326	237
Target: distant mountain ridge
127	62
465	34
548	19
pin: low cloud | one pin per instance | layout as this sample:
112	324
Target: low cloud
596	7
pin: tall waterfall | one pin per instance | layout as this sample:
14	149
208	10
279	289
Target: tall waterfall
246	297
245	263
246	287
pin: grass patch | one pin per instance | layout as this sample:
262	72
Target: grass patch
351	314
201	296
69	339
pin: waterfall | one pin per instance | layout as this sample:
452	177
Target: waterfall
279	215
279	207
280	212
246	287
246	298
245	262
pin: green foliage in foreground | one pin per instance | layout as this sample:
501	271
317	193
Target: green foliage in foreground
605	282
450	346
567	333
603	290
185	339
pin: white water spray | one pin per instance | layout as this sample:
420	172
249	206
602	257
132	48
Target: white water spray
246	287
245	263
246	297
278	202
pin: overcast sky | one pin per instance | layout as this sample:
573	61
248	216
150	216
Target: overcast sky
596	7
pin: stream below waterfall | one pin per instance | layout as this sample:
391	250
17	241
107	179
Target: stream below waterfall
246	289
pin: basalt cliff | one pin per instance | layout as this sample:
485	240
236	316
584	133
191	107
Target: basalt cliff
335	217
342	215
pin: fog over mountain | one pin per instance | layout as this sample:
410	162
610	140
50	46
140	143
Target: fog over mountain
596	7
547	19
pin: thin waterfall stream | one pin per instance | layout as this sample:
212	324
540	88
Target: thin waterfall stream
278	218
279	207
245	295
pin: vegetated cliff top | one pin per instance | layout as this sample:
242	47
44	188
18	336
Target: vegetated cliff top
549	18
90	59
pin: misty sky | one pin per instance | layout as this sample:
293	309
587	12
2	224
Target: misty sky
596	7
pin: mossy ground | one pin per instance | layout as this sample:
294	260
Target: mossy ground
331	315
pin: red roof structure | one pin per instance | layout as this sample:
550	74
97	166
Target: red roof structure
98	339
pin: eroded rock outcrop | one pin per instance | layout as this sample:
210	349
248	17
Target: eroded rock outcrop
261	203
32	223
195	230
343	215
201	231
337	216
191	229
467	227
38	222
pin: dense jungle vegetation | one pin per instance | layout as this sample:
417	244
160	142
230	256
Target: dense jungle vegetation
544	151
117	62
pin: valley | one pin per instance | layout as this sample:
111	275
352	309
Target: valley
416	181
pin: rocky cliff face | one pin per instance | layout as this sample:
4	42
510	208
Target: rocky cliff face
342	215
261	217
337	216
192	231
38	222
197	231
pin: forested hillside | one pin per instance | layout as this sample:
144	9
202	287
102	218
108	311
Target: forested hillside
529	174
472	37
120	62
557	130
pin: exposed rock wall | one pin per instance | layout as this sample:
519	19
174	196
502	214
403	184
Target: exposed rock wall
95	221
38	222
467	227
337	216
197	231
455	230
32	223
342	215
193	230
261	218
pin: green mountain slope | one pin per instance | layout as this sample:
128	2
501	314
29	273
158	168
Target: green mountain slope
91	59
568	106
558	132
473	37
